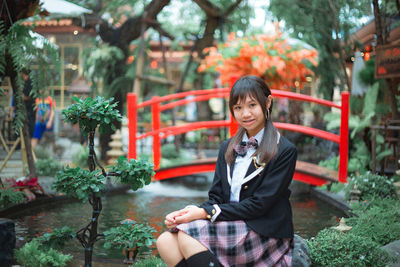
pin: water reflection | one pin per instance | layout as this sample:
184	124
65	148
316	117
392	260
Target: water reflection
149	205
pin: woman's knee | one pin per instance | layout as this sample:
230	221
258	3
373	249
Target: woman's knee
189	245
165	240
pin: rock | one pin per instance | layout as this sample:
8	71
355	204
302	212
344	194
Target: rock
7	241
394	250
300	253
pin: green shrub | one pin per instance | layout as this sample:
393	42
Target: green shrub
150	262
372	186
136	173
8	196
41	153
57	238
47	167
378	220
129	236
396	178
333	187
79	183
169	151
331	163
33	254
334	248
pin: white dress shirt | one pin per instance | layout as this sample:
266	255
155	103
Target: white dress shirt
242	164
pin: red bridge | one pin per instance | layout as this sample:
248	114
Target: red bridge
305	172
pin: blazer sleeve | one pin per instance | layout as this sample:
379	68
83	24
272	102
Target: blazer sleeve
274	183
215	194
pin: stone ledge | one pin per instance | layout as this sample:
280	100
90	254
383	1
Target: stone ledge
51	198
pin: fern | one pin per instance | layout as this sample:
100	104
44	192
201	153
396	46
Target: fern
33	254
21	46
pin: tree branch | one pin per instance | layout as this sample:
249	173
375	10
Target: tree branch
232	8
333	12
208	8
157	26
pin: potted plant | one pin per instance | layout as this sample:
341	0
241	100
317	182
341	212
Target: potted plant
132	237
88	185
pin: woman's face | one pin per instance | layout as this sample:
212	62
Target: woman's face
249	114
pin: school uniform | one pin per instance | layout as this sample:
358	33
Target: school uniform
250	217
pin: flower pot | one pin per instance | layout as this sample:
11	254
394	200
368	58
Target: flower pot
130	255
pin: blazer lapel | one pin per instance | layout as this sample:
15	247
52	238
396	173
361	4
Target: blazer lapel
250	169
252	172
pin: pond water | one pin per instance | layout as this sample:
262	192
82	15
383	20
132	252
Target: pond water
149	205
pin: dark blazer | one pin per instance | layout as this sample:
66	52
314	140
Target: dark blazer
264	200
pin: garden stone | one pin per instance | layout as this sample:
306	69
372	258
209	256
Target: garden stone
300	253
394	250
7	241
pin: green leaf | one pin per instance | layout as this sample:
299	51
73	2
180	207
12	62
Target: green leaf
370	100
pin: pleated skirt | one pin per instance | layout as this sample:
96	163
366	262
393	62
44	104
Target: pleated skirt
235	244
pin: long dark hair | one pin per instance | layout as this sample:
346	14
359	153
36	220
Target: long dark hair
256	88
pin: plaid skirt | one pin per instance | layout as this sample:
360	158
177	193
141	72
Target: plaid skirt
235	244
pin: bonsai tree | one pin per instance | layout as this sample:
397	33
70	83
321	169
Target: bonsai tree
88	185
131	237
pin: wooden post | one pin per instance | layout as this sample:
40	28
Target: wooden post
10	153
3	142
23	154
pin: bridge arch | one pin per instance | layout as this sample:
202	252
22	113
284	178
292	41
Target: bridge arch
305	172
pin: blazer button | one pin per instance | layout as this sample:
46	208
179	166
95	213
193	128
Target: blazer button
213	211
245	187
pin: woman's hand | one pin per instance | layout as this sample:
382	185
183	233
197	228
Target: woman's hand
191	213
185	215
170	218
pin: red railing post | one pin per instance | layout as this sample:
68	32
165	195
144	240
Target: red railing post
344	138
156	121
233	126
132	124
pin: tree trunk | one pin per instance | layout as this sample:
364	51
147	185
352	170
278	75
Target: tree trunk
96	204
10	71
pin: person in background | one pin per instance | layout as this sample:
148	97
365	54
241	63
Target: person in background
247	220
44	120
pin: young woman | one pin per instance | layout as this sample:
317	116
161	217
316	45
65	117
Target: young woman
247	220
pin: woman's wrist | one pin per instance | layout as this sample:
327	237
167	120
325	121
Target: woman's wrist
204	214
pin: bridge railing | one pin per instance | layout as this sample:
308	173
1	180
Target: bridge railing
158	133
